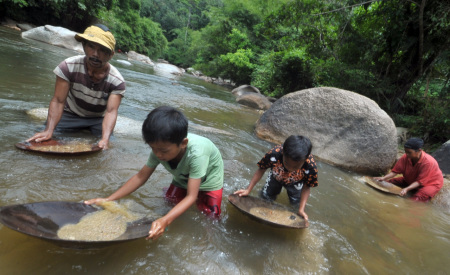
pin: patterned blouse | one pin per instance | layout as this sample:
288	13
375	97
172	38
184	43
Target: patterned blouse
274	160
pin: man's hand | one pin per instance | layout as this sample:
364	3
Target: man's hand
41	136
103	144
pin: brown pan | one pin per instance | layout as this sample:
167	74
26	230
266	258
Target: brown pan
269	212
58	147
383	186
44	219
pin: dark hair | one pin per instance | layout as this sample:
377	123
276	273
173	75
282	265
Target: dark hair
297	148
165	123
414	143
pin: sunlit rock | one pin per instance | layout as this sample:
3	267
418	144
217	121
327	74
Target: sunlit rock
124	62
132	55
245	89
346	129
57	36
170	69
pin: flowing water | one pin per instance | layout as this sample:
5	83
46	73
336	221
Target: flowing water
354	229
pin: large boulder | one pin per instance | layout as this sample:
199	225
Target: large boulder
57	36
346	129
442	155
254	100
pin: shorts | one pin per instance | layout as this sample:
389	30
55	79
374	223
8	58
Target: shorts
273	187
423	193
73	123
208	202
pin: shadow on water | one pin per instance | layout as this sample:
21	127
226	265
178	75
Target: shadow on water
354	229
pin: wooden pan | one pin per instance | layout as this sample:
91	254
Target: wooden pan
59	147
44	219
383	186
268	212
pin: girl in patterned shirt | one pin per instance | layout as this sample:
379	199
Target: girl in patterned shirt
291	166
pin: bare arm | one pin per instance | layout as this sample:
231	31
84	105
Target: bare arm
387	177
129	187
55	110
412	186
109	121
306	190
255	179
160	224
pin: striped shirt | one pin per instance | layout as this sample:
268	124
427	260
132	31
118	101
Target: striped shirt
87	98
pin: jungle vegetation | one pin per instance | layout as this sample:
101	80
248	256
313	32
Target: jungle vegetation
395	52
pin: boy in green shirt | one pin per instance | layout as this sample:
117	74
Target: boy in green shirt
194	161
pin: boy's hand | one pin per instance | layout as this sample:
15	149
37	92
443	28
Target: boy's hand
157	229
96	201
303	214
242	192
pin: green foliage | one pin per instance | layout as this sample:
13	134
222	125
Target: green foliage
134	33
283	72
237	66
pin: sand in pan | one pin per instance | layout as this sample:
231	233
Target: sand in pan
283	217
64	148
102	225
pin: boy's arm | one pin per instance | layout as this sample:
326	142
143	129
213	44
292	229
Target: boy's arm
129	187
160	224
306	190
255	179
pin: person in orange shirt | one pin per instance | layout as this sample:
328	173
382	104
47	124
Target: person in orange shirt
420	172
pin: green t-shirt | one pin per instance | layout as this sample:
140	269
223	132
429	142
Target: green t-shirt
202	160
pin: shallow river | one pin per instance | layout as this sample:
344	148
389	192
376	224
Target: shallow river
354	229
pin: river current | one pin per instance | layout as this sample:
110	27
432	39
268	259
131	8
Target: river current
353	229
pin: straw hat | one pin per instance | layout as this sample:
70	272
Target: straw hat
98	34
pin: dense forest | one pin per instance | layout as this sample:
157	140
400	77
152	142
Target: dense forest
395	52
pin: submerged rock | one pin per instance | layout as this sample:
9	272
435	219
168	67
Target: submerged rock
254	100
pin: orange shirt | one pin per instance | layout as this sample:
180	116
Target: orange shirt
426	171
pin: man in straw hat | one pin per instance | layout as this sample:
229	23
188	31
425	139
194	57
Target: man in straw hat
88	89
421	173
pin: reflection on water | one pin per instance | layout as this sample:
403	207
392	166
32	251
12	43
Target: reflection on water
354	229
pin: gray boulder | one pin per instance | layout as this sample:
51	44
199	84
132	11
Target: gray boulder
442	155
346	129
254	100
165	68
244	89
57	36
132	55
